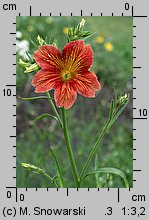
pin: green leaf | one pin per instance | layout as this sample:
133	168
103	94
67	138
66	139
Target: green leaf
111	109
34	44
29	57
33	98
45	115
62	182
110	170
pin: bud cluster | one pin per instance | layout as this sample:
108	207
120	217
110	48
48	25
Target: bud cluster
77	31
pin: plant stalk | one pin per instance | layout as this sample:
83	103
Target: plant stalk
69	149
54	109
94	150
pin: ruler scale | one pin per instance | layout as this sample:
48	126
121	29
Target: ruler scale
103	204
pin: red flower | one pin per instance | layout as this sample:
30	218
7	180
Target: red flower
66	72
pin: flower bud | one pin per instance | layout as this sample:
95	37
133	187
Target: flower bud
23	64
40	40
122	100
31	68
82	23
33	168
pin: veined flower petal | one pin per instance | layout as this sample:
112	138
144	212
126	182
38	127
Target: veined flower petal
77	56
65	95
45	81
86	84
48	56
67	73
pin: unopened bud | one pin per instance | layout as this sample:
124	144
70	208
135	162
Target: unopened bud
31	68
40	40
82	23
23	64
122	100
33	168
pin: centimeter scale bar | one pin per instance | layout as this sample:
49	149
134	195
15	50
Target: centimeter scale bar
66	189
101	14
138	118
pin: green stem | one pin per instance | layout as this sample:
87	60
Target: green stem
54	109
69	149
94	150
51	179
58	168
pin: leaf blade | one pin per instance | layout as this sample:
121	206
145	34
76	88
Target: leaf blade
110	170
45	115
33	98
62	182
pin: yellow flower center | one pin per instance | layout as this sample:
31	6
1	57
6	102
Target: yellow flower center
66	75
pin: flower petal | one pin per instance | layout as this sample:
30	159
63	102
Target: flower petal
44	81
65	95
86	84
77	56
48	56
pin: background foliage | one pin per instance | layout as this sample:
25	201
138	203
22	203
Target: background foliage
113	66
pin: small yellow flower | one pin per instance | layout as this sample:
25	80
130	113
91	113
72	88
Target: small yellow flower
65	30
99	40
108	46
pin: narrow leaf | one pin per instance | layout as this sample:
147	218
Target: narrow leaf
111	109
33	98
62	183
34	44
110	170
45	115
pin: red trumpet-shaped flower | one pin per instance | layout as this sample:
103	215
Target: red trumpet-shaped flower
67	72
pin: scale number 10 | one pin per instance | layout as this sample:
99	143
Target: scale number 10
143	112
7	92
